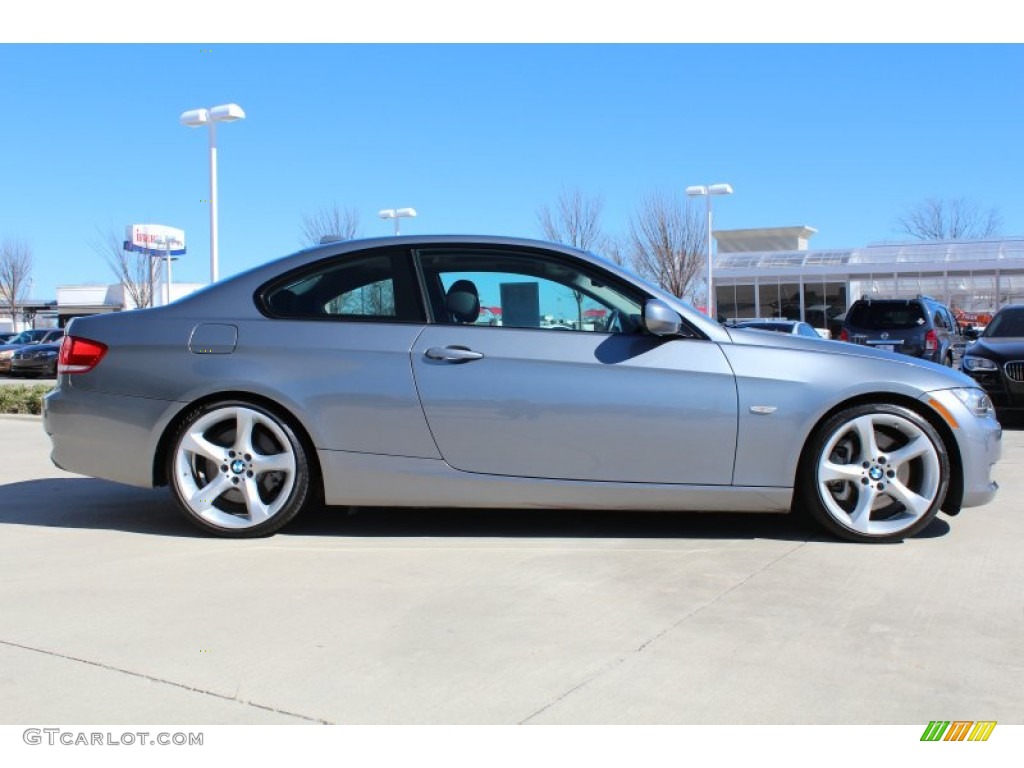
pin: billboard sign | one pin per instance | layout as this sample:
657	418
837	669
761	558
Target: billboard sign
154	239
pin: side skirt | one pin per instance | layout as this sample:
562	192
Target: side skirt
359	479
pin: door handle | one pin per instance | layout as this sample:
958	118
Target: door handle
453	354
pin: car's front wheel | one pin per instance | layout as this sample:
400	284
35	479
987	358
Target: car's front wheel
875	472
238	470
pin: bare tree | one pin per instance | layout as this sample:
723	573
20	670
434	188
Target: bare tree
668	242
133	270
615	250
15	269
936	219
330	221
575	220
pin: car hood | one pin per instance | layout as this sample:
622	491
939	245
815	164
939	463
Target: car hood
1002	349
932	375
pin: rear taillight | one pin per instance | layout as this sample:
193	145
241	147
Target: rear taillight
931	341
843	335
78	355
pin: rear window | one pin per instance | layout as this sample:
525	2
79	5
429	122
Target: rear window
886	315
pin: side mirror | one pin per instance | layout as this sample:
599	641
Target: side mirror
971	333
660	319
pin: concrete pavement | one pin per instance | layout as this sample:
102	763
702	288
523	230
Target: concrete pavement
113	609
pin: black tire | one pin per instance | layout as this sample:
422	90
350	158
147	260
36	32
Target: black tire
880	495
260	480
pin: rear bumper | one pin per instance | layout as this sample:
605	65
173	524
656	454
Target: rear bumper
113	437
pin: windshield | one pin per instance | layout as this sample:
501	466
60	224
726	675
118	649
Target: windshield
886	315
1006	324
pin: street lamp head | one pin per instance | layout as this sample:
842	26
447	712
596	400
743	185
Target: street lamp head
392	213
195	118
715	189
226	113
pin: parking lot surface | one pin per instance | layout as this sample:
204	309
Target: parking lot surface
114	609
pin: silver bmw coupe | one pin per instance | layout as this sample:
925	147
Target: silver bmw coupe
498	372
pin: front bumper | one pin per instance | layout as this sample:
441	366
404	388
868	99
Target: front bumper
31	367
980	441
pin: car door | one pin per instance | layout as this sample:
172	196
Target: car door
559	381
337	339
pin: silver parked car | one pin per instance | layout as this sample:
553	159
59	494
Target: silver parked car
362	373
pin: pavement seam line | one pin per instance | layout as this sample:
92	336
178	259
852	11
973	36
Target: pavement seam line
640	648
163	681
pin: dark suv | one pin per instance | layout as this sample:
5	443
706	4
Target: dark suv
921	327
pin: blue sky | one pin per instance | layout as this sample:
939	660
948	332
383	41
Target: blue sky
477	136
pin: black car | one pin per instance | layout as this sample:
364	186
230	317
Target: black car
921	327
996	359
25	339
36	360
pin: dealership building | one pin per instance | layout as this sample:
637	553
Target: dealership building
81	300
772	272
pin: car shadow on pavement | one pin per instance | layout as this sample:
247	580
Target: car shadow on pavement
94	504
561	523
86	503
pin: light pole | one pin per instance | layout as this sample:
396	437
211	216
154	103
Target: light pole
707	191
194	118
396	214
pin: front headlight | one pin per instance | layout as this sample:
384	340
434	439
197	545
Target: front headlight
7	355
976	400
972	363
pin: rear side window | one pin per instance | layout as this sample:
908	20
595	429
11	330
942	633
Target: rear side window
373	287
886	316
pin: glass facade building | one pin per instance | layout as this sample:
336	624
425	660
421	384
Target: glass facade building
818	286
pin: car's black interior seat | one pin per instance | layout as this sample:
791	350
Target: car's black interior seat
463	302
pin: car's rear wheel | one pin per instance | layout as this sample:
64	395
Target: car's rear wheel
876	472
238	470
